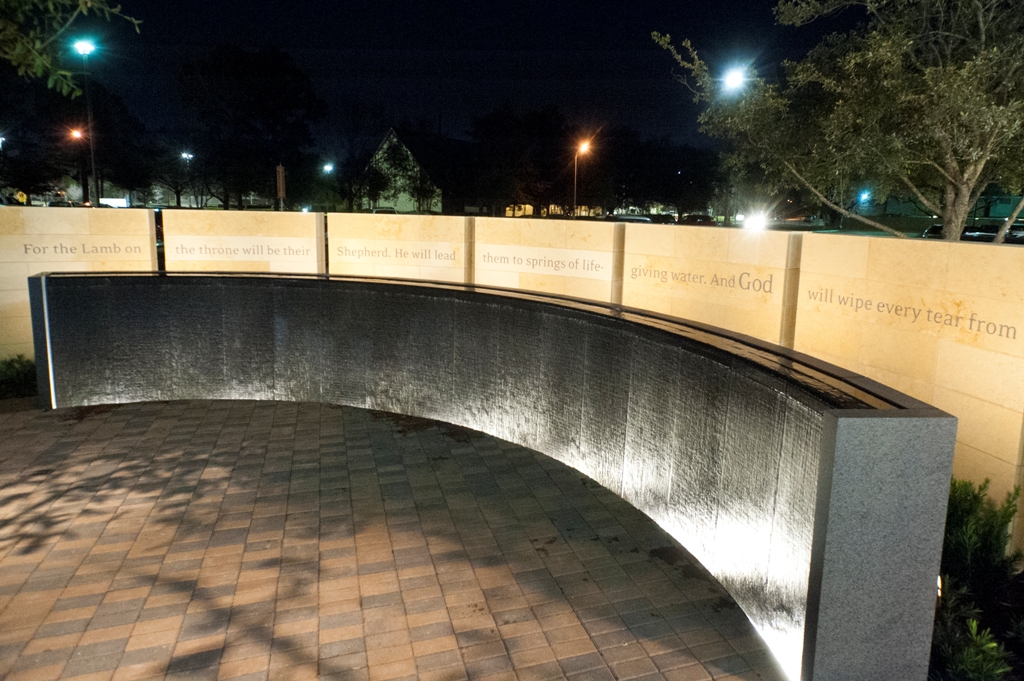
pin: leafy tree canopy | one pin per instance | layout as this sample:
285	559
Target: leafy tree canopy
247	111
31	32
925	99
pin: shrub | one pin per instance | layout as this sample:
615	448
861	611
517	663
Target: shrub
981	659
974	620
17	377
974	553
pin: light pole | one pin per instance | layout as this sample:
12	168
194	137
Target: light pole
582	149
85	48
188	176
328	169
83	174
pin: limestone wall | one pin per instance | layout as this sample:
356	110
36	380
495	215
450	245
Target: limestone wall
243	241
732	278
941	321
429	247
34	240
568	257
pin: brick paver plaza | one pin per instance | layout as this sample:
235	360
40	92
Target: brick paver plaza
262	540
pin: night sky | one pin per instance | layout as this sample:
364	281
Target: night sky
446	63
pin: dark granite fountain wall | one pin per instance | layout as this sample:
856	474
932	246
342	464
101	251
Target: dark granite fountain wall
816	497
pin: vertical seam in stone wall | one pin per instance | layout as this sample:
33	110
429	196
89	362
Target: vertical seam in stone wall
618	260
322	261
154	255
46	332
469	252
791	292
158	241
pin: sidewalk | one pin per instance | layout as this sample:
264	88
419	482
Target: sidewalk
260	540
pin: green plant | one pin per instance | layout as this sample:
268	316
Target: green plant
974	618
981	659
975	553
17	377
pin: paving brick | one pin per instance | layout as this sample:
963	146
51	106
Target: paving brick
262	541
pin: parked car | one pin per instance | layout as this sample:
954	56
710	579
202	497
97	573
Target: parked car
625	217
389	211
697	219
985	232
64	204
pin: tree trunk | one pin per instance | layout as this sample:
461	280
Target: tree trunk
83	179
1008	223
956	210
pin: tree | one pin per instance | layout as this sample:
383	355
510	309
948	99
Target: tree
525	159
124	152
39	150
171	171
248	111
30	32
353	141
642	172
925	99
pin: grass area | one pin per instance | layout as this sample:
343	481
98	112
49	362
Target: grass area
17	377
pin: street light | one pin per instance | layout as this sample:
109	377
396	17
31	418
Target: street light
187	157
582	149
328	169
83	175
757	222
85	48
734	79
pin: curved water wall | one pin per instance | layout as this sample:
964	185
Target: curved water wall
816	497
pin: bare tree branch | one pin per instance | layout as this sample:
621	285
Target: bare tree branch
840	209
1008	223
920	196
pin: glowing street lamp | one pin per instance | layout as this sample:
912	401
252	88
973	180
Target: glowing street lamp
85	48
328	168
757	222
735	79
77	134
582	149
